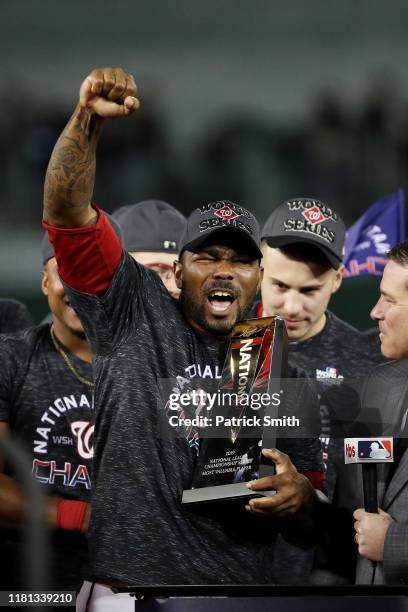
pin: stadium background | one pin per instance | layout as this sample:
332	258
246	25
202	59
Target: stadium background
250	101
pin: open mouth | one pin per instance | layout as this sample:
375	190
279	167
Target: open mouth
220	302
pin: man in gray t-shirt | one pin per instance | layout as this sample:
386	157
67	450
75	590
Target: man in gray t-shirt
46	404
140	533
303	247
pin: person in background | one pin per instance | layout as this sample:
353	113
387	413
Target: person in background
46	403
151	232
303	247
382	537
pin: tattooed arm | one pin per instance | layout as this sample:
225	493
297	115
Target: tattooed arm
69	182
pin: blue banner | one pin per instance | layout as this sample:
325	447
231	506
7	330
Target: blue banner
375	233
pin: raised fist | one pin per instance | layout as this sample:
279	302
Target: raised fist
109	92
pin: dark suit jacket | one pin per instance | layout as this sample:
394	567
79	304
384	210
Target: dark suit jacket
373	407
386	389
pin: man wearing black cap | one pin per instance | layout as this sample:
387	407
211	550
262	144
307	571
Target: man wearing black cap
303	247
46	392
151	233
140	534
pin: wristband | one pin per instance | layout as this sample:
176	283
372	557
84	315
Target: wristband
71	514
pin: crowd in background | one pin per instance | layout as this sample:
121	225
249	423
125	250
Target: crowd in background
345	154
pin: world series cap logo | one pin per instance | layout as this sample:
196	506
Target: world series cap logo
226	213
314	215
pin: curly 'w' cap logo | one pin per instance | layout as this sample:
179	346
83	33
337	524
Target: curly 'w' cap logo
226	213
314	215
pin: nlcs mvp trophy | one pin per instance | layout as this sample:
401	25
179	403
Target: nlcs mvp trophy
230	451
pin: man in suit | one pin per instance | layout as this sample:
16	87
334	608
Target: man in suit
382	538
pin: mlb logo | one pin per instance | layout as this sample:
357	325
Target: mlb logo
368	450
314	215
374	449
226	213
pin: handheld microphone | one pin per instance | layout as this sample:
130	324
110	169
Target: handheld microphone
369	452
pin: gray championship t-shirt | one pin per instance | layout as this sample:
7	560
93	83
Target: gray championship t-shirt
51	413
140	533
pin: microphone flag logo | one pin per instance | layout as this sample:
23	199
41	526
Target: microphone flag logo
368	450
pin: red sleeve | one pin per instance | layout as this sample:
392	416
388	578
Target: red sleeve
259	311
318	479
87	256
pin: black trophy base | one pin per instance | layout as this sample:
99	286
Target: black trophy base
221	494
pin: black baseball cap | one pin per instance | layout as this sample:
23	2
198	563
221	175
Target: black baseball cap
217	217
151	226
47	250
307	220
